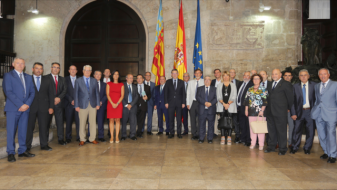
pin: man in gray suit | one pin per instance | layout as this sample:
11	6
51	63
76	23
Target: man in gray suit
129	107
324	113
192	104
87	103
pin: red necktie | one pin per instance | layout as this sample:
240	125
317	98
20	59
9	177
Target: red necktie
56	83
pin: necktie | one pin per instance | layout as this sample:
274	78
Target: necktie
174	84
323	88
304	95
87	83
206	96
140	89
196	88
275	83
186	86
242	89
99	87
161	89
73	82
130	94
232	81
56	83
38	83
263	84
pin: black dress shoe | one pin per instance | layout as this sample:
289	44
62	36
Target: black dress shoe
68	140
237	140
101	139
210	142
170	136
331	160
62	142
123	139
28	149
324	156
292	151
306	151
184	133
149	133
281	153
47	148
159	133
140	136
78	140
201	141
215	136
11	158
247	144
268	150
195	138
167	133
26	154
180	136
87	141
133	138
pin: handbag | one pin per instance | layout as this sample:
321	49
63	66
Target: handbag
259	126
225	122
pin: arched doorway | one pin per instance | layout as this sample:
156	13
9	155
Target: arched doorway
106	34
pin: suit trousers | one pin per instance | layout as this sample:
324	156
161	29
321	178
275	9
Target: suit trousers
175	110
71	115
185	118
44	125
244	128
16	121
141	114
253	135
277	132
202	122
84	114
149	113
194	118
160	111
236	125
100	121
327	136
310	131
131	116
290	129
58	112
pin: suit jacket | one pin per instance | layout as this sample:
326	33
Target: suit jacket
175	96
297	108
150	102
159	100
134	95
83	96
191	91
201	98
61	89
102	94
244	92
141	103
280	100
15	91
44	98
269	83
69	97
238	84
325	104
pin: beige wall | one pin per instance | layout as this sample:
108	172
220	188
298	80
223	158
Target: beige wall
266	40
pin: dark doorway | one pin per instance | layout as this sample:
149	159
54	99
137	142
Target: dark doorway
106	34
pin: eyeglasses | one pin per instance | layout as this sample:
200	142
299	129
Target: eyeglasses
56	67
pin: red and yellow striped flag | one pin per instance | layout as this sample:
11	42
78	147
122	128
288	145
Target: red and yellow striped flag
180	58
158	63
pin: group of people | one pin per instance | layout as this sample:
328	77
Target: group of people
93	99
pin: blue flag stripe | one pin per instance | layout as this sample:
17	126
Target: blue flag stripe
197	53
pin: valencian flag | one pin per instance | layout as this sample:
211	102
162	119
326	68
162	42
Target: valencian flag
180	59
197	53
158	63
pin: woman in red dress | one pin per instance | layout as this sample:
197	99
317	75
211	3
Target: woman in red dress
115	94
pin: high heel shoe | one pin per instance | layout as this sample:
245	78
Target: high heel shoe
229	141
261	148
251	147
111	141
117	142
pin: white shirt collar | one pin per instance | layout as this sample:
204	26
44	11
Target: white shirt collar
37	76
278	80
18	72
326	83
306	84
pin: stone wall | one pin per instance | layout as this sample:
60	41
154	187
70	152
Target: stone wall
250	39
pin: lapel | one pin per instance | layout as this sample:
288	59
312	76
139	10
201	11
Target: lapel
16	76
327	87
311	90
279	84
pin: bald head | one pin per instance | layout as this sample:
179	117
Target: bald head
129	78
276	74
246	76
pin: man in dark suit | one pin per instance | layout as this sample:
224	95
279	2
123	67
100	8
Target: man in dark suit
175	100
144	94
304	100
280	100
160	106
287	76
265	83
103	105
206	96
186	79
19	90
130	101
42	107
244	123
236	123
69	105
150	103
217	80
60	90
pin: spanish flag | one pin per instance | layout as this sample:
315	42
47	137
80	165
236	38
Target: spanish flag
180	58
158	63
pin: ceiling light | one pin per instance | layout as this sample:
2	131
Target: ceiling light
35	11
263	7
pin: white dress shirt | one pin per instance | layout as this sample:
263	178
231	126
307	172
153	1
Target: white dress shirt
129	92
141	86
306	105
73	79
276	83
57	77
106	80
99	86
23	76
35	79
148	83
217	82
264	84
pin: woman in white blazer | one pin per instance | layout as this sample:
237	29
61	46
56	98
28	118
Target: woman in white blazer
226	95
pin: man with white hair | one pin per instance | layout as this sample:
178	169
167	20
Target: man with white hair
87	102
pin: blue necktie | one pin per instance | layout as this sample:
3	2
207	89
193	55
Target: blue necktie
161	89
274	85
87	83
304	95
196	88
140	89
38	83
130	95
206	96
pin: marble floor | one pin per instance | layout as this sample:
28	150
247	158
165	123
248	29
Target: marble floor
155	162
